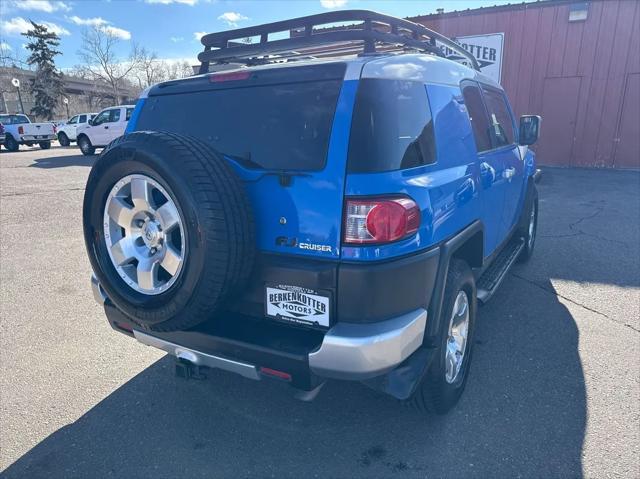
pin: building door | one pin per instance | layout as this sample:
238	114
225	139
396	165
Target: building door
628	149
559	111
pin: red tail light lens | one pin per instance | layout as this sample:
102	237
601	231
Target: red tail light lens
20	130
380	220
55	129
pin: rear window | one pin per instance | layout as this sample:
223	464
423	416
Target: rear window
392	127
13	119
276	126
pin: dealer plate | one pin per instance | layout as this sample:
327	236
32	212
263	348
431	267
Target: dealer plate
298	305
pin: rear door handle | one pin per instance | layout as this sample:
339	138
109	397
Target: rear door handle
509	173
106	127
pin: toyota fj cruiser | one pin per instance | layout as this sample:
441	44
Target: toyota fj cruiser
334	207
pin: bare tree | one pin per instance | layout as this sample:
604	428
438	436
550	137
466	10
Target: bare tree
151	70
9	58
101	62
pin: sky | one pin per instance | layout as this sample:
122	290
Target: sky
172	28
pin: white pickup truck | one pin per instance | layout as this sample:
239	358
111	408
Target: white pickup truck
106	126
19	130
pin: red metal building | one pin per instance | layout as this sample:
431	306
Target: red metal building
575	63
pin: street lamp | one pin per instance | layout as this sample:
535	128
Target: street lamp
16	83
66	103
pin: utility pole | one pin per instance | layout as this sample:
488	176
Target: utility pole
16	83
65	100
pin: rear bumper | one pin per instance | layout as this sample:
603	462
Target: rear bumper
243	345
363	351
36	138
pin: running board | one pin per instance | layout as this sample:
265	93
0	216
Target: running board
491	279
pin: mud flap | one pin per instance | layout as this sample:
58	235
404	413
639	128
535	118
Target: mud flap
402	381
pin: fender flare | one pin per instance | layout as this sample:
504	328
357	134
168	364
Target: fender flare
447	249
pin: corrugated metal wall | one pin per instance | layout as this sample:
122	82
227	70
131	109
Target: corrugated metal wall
582	77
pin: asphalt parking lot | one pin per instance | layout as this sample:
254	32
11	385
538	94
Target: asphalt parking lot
554	390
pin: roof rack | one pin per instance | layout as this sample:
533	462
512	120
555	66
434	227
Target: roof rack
376	33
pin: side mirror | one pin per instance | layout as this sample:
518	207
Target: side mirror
529	129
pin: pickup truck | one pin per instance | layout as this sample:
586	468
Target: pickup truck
105	127
68	131
20	131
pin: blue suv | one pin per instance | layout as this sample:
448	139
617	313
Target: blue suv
329	205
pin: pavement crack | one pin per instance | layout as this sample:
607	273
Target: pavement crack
599	210
29	193
588	308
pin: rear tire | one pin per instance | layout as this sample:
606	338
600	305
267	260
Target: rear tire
63	139
442	386
45	145
528	226
217	238
85	145
11	144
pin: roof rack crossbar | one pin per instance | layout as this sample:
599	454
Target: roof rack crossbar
227	46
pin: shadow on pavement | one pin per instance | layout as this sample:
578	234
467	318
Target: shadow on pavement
523	414
64	161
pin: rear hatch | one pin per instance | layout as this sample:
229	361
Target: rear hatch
285	131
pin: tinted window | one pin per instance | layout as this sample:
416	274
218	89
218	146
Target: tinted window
13	119
73	121
501	122
392	127
281	126
129	112
82	119
102	117
477	115
114	115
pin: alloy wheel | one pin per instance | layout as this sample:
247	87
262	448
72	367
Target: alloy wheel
144	234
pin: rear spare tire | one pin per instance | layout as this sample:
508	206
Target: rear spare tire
168	229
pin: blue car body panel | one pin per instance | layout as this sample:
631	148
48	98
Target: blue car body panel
445	191
462	186
310	208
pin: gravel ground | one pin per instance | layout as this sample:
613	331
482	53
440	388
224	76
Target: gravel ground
554	390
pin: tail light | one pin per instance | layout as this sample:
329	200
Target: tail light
55	129
20	130
380	220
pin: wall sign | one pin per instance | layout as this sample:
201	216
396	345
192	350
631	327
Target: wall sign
486	48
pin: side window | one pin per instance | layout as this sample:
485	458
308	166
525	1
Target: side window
102	117
114	115
129	112
21	119
73	121
392	127
477	115
501	121
82	119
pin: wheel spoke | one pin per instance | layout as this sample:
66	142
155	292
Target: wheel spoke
147	273
169	216
120	212
141	194
123	251
171	261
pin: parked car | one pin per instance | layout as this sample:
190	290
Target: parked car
321	218
68	131
106	126
20	131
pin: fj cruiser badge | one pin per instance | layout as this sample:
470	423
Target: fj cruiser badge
300	305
